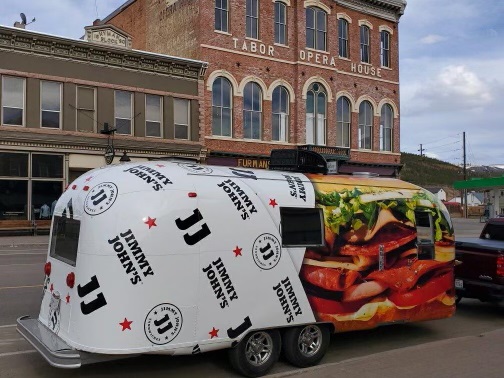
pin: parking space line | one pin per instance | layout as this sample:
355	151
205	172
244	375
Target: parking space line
8	326
16	353
19	287
22	253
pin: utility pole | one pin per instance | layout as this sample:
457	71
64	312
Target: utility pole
465	173
421	150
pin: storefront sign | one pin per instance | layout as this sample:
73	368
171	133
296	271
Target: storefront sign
253	163
109	154
254	47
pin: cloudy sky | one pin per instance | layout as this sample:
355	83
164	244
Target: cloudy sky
451	65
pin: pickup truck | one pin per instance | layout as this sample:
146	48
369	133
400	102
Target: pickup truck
481	272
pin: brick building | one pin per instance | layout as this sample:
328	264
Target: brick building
284	73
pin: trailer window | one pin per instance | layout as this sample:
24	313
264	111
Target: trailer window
302	227
65	239
425	235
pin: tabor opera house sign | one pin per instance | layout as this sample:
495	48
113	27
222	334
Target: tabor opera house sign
108	35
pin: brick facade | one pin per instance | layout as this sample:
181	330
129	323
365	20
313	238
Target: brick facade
186	28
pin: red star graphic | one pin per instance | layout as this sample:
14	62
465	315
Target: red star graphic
214	333
160	165
89	178
237	251
67	298
273	203
126	324
151	222
51	288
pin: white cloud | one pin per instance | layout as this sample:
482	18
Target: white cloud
432	38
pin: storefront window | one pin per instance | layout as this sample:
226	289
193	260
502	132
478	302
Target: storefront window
44	197
13	195
47	166
13	165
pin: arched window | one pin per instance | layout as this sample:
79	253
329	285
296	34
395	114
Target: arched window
365	125
364	44
385	48
316	106
280	111
222	115
343	37
316	28
386	123
252	111
280	23
343	116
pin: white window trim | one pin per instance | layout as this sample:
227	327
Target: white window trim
367	23
188	120
24	101
286	2
161	114
132	97
386	28
317	4
344	16
77	106
52	111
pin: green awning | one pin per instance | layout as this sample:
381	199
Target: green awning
480	183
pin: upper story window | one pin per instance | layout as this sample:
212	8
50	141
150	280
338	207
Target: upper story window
280	112
181	110
316	28
343	38
280	23
221	15
386	123
316	109
385	48
343	116
86	109
252	111
365	125
13	101
252	19
153	115
50	104
123	112
222	114
364	44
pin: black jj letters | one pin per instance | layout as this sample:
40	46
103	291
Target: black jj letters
167	327
234	333
184	224
266	249
95	304
99	197
243	173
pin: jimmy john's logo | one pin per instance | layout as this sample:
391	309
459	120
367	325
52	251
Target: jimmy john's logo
163	323
92	300
196	169
131	256
266	251
54	318
288	300
296	187
100	198
240	200
190	223
152	177
220	282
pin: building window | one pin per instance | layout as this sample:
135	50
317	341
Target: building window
343	37
316	106
365	125
252	19
343	116
181	111
222	95
86	109
221	15
123	112
153	115
280	23
364	44
385	48
13	101
50	104
316	28
386	123
280	110
252	111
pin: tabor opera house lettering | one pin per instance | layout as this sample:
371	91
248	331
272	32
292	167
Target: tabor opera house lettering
254	47
365	69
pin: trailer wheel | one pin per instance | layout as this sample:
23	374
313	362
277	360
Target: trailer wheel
256	353
306	345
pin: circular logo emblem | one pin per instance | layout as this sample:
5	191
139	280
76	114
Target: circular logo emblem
100	198
266	251
163	323
196	168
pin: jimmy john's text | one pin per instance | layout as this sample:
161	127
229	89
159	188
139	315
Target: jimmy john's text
240	200
150	176
296	187
220	282
288	300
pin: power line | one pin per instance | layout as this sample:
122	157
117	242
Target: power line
439	140
443	145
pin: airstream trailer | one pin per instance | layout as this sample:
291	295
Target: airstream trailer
171	257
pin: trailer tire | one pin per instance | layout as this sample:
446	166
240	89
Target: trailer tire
306	345
256	353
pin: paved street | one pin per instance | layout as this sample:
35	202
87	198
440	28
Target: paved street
469	343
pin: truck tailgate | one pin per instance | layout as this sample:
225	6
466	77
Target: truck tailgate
479	259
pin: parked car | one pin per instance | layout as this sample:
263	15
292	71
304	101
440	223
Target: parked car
481	274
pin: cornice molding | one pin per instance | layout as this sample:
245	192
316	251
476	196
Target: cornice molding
81	51
390	10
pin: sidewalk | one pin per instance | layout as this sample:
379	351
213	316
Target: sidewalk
23	241
470	356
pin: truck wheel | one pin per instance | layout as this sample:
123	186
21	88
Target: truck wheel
306	345
256	353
